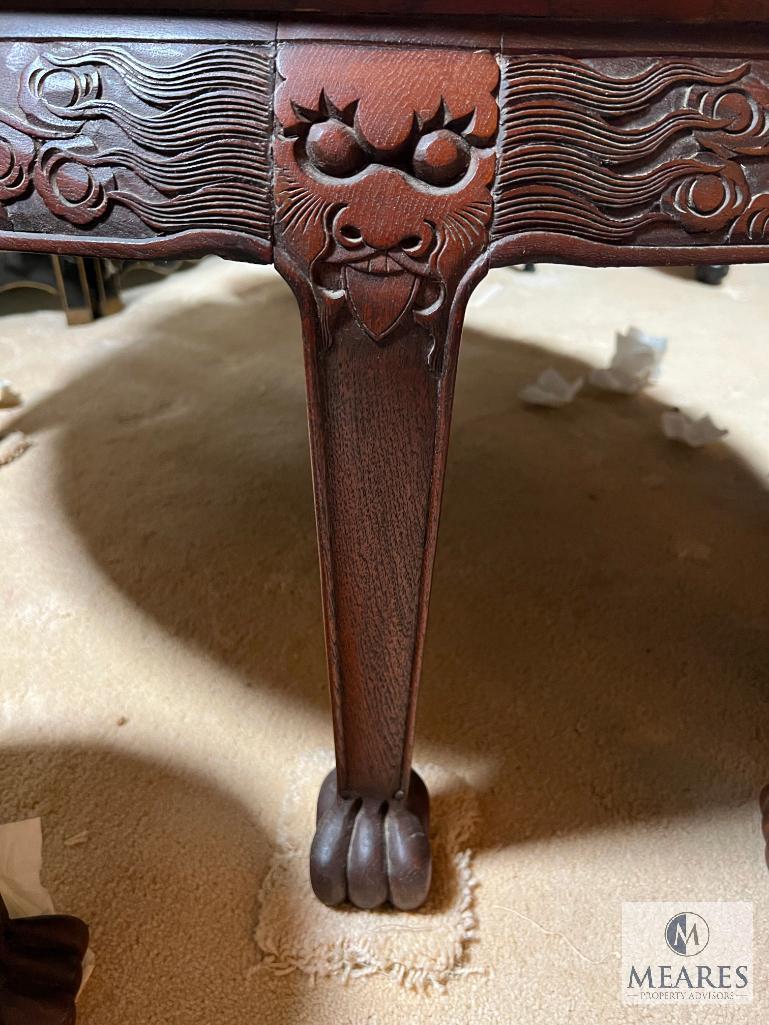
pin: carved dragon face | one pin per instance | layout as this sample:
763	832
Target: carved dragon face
383	181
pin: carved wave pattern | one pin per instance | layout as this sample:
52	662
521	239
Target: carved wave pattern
605	157
184	145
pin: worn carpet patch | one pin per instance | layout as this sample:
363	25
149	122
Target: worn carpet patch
421	950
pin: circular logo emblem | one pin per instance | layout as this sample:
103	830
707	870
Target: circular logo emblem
687	934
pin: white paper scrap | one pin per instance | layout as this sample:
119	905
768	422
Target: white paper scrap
695	433
21	862
550	389
635	364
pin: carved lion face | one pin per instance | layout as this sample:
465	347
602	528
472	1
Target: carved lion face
383	180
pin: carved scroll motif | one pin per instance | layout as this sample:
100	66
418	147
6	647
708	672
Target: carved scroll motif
181	143
383	179
613	157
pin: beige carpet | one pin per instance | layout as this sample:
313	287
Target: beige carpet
596	666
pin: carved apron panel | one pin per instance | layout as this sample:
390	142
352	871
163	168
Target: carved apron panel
643	151
135	140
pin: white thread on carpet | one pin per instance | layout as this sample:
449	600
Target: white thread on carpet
12	446
558	935
77	840
421	950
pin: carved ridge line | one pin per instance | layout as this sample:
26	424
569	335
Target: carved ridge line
202	150
609	94
561	151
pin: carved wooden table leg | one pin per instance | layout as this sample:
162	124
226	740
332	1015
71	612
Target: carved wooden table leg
382	267
133	138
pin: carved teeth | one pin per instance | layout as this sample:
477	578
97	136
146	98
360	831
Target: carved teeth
381	264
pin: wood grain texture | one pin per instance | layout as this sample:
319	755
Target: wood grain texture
135	143
660	11
132	26
452	32
605	38
382	211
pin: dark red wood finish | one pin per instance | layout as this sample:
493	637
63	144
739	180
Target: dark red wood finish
41	961
664	11
384	166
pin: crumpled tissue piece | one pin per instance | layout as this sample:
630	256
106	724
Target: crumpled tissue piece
695	433
551	389
9	397
21	862
635	364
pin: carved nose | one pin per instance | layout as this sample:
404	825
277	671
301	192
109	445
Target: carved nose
385	238
411	243
350	236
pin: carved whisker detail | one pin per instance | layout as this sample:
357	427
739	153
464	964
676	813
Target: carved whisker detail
443	239
476	224
298	205
467	231
482	209
454	238
305	211
314	211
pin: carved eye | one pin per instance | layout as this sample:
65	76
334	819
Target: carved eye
441	158
334	150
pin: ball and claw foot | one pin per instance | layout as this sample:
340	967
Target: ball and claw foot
711	273
41	968
371	851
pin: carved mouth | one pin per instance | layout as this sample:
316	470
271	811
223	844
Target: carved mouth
381	285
